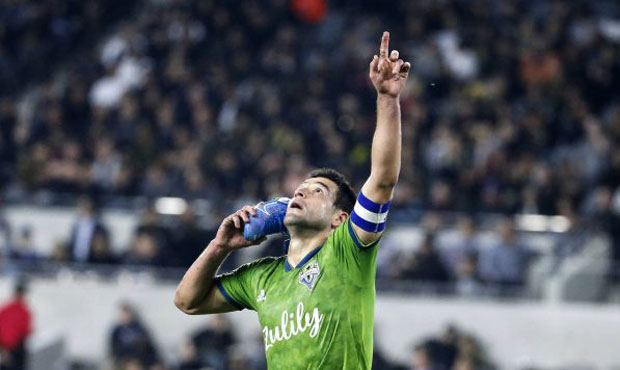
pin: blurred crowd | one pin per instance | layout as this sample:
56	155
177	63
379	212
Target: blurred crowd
154	241
512	107
212	346
36	36
466	258
451	350
216	346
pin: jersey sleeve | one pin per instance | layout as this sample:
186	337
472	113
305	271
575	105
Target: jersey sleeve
357	259
238	286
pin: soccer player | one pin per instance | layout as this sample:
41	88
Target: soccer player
316	303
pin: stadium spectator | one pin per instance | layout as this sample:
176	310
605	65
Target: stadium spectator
425	265
465	243
8	148
452	350
131	345
422	359
468	281
146	250
85	227
471	355
256	353
214	342
188	239
189	357
15	328
381	362
574	239
504	263
23	249
605	219
5	233
106	169
151	223
237	360
100	251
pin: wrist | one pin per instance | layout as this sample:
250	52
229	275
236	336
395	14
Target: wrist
218	248
384	97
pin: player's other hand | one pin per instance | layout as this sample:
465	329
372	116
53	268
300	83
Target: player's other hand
388	73
230	233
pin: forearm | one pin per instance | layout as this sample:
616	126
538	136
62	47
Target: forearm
386	148
199	279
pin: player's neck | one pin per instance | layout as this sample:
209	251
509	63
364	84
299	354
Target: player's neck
303	243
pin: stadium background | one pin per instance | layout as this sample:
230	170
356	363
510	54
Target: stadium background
129	129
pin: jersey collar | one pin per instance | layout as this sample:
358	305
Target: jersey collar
307	257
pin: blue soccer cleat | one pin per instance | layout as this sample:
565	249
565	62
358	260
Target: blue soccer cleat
269	219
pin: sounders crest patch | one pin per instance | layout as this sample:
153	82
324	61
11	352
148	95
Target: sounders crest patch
309	273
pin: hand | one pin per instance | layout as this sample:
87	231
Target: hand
388	74
230	233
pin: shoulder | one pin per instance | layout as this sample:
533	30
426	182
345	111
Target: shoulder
258	265
347	236
266	261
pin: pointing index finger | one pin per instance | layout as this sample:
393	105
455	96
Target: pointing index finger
385	44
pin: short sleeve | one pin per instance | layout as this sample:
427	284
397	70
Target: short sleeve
357	259
236	286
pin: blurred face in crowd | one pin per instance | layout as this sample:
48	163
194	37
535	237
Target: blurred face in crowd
467	346
133	364
127	315
145	246
506	231
189	351
421	359
312	206
602	198
219	323
428	245
466	226
99	245
86	207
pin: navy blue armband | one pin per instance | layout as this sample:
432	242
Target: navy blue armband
368	215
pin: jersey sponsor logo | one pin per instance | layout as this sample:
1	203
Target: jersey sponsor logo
309	274
293	324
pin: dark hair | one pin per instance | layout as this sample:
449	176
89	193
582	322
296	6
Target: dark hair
345	199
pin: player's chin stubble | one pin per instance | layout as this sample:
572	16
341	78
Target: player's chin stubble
300	223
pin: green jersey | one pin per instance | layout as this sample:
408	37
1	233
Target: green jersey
317	315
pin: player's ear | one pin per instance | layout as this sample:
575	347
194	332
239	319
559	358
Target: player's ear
339	217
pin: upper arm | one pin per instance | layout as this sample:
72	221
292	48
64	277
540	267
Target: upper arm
214	302
232	291
238	289
375	212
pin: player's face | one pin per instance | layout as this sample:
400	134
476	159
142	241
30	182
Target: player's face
312	205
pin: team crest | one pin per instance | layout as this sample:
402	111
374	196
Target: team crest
309	274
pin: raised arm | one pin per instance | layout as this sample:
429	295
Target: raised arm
196	294
388	74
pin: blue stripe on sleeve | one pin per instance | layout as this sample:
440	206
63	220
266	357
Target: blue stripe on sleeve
372	206
230	299
356	240
365	225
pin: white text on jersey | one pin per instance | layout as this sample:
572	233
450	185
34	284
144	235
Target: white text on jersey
292	325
